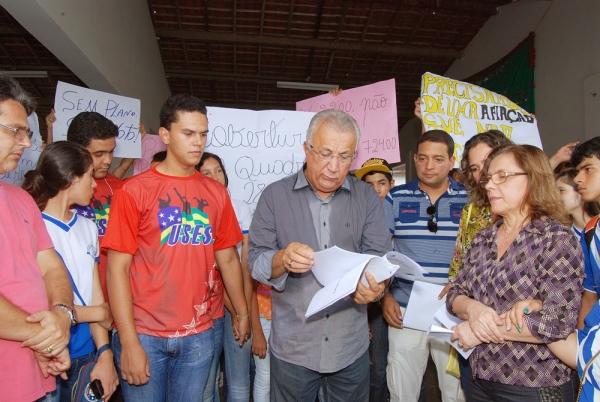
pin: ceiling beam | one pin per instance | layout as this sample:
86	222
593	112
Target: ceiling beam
279	41
263	79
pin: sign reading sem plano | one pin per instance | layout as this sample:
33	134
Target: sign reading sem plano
257	147
70	100
374	108
463	110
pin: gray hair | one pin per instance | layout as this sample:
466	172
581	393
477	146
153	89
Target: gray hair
337	119
10	89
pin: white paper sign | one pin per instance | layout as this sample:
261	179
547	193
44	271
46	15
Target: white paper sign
257	147
422	305
464	110
71	100
30	155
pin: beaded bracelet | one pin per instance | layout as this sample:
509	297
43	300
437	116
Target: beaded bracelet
242	316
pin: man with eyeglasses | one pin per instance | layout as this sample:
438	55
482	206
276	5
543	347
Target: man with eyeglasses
317	208
427	213
36	299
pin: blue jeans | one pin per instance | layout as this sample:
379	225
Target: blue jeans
178	367
66	386
53	396
378	351
290	382
211	391
237	364
480	390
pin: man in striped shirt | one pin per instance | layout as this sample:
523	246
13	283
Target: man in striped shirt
427	213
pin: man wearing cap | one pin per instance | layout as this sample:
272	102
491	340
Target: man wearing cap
426	213
317	208
378	173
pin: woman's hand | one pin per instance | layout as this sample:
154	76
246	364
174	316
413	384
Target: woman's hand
259	344
514	316
466	339
105	371
484	322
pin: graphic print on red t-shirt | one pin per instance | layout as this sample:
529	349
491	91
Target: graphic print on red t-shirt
183	223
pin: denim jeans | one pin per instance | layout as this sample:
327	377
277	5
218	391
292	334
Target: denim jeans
237	364
211	390
53	396
178	367
262	377
483	390
290	382
66	386
378	350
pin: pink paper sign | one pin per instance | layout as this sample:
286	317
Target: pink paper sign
374	108
151	144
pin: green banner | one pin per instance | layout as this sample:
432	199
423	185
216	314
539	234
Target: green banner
512	76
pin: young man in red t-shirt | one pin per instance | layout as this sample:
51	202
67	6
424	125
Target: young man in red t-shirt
173	227
99	136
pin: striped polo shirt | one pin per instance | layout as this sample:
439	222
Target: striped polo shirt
433	251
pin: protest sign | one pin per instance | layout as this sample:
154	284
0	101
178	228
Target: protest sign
30	155
71	100
257	147
464	109
151	144
374	108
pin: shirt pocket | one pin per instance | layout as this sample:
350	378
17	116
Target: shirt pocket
409	212
456	212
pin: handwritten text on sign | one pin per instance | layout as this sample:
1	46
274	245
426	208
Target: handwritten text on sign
374	108
464	109
71	100
257	147
30	155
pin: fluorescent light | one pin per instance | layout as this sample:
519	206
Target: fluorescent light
306	85
28	74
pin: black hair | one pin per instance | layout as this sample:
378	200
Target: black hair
59	164
387	175
160	156
589	149
10	89
88	126
179	103
439	136
208	155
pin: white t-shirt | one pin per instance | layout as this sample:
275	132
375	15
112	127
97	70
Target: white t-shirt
76	243
244	217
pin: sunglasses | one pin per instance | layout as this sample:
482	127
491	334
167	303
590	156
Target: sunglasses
432	222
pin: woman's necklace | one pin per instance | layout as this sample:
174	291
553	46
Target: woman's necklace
508	234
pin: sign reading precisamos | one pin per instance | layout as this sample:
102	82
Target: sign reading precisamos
257	147
374	108
30	155
71	100
464	109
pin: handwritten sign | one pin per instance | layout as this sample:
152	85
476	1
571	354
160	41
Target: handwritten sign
374	108
464	109
257	147
30	155
151	144
71	100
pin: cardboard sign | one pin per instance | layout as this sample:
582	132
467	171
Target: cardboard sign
374	108
151	144
464	110
257	147
71	100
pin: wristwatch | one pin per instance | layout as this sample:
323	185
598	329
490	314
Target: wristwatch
70	310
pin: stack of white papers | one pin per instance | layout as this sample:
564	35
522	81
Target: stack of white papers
339	272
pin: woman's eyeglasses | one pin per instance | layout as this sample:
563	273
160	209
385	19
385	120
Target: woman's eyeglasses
432	222
498	177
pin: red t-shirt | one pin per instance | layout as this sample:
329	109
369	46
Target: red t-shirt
22	235
98	211
172	226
